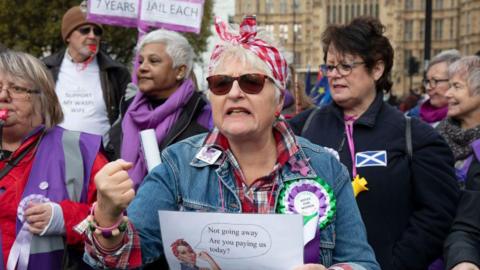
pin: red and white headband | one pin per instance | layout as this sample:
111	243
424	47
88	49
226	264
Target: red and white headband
247	39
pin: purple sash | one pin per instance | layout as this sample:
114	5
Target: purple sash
47	178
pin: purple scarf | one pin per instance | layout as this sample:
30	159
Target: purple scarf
140	116
431	114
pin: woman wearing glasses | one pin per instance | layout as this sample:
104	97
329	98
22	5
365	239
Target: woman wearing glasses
407	201
434	109
462	131
242	166
46	172
462	127
167	100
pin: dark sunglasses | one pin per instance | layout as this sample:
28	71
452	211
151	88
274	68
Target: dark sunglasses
97	31
251	83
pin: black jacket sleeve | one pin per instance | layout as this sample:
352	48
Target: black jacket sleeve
463	243
435	199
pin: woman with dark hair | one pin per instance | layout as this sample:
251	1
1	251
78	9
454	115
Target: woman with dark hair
403	171
461	129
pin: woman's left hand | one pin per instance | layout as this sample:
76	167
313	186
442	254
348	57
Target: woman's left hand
38	216
310	266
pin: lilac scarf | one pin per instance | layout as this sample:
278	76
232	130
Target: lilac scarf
431	114
140	116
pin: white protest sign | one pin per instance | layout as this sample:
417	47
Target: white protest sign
115	12
231	241
177	15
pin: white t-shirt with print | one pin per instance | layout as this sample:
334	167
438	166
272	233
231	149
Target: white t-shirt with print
80	93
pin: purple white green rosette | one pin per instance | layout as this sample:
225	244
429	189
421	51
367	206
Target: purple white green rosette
310	198
20	251
315	201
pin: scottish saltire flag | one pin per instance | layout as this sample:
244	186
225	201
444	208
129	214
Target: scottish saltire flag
371	158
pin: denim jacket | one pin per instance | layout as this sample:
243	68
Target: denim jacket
183	182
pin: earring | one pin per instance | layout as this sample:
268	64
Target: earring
277	114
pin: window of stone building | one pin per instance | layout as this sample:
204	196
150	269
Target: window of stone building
408	34
468	24
406	57
298	58
359	11
297	29
421	59
352	11
283	6
377	11
421	30
270	28
408	4
297	4
283	33
438	4
452	27
339	13
423	5
329	17
347	13
269	8
334	14
250	9
365	9
438	28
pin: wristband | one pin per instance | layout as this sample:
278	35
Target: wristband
106	232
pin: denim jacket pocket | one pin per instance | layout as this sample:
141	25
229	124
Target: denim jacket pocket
194	206
327	244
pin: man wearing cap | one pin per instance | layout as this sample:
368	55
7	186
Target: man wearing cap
89	84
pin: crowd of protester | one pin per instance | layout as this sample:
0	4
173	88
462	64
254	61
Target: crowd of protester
405	175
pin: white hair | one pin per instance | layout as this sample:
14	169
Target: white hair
447	56
177	47
238	55
469	68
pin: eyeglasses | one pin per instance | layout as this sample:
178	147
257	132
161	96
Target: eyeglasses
433	82
17	92
343	69
251	83
97	31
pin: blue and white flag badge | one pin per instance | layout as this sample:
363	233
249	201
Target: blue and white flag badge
371	158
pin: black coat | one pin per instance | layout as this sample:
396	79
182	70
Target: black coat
410	204
463	243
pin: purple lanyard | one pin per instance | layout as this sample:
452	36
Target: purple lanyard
349	131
